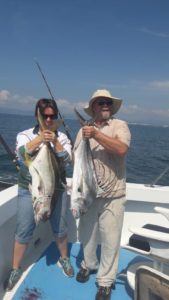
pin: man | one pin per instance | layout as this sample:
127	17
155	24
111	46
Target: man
109	141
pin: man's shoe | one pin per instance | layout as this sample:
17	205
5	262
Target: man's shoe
83	275
66	266
12	279
103	293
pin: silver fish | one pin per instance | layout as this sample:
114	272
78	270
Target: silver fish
45	173
84	183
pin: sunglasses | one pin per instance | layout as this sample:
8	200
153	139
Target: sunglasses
52	117
105	102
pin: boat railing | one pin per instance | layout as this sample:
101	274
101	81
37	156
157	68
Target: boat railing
4	185
154	182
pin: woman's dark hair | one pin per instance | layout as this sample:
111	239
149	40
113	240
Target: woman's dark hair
43	103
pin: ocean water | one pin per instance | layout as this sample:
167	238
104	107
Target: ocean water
148	155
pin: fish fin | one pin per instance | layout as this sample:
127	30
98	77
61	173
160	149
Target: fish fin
28	160
57	124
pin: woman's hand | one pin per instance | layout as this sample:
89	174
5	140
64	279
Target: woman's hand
48	136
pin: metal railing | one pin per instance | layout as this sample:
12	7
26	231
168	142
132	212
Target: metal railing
154	182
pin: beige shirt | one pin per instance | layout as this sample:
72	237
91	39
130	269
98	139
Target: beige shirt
110	168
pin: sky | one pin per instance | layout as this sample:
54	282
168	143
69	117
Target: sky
82	46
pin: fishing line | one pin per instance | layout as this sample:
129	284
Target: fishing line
49	90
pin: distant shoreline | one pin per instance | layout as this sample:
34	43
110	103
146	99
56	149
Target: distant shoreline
31	114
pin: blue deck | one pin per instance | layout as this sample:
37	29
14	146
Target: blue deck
46	281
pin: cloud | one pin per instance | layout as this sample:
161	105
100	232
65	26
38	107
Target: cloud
136	109
140	114
156	84
4	95
130	113
161	113
154	33
67	107
160	84
15	100
111	86
26	104
131	109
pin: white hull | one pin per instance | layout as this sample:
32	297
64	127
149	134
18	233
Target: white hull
139	210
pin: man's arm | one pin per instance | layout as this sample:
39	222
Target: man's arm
111	144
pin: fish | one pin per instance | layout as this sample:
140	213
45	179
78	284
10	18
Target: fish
85	187
46	178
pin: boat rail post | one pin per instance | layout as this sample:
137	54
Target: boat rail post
159	177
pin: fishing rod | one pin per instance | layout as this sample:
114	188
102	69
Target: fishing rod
49	90
9	151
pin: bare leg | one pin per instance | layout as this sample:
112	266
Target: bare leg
19	251
62	245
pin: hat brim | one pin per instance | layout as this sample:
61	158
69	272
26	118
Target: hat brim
116	105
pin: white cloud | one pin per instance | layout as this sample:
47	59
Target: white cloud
131	113
112	86
15	100
160	84
135	112
65	107
28	102
161	113
69	106
131	109
155	33
81	104
4	95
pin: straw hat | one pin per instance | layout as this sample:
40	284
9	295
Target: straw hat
103	94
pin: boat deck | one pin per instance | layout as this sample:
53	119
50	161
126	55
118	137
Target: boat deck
46	280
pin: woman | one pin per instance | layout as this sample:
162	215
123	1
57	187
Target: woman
28	144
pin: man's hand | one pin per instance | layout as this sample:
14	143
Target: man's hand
89	132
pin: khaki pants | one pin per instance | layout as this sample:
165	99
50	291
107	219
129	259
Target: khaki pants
103	222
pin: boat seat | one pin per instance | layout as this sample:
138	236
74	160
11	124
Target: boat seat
151	241
151	284
141	242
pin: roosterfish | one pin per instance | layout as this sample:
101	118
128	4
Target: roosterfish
85	186
46	176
